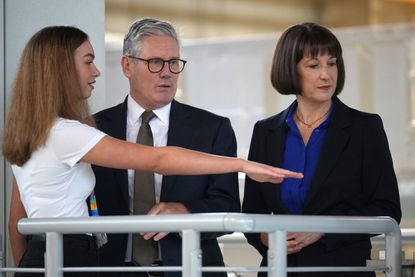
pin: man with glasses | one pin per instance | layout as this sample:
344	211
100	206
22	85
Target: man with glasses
151	62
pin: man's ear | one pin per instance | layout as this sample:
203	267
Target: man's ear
126	66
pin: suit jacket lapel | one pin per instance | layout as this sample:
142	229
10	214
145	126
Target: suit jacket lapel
275	144
336	138
119	123
276	140
179	134
180	126
119	126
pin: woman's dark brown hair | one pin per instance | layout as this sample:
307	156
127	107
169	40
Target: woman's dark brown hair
296	42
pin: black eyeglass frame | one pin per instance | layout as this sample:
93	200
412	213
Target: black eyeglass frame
164	62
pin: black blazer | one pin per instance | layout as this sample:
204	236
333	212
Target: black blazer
354	176
190	128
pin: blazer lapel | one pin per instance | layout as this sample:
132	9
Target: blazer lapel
275	144
119	123
119	126
276	140
179	134
336	138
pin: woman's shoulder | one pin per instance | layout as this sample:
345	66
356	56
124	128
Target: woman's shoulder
70	127
61	122
364	117
359	122
64	123
357	116
272	121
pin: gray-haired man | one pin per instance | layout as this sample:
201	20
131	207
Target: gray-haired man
151	62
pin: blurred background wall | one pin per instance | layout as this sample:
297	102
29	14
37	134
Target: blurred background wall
221	18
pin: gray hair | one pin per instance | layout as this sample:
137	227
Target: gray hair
143	28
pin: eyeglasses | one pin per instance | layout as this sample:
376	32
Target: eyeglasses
156	65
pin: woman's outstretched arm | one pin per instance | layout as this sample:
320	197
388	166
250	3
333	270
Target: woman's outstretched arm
17	212
115	153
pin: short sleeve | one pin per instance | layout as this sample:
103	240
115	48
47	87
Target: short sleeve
71	140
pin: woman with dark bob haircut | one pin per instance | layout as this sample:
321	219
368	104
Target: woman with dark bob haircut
343	154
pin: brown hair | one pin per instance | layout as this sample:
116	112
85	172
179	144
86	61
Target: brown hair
296	42
46	87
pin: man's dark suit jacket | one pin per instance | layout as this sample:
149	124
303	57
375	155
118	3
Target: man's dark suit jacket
190	128
354	176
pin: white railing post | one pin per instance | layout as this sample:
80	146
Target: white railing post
393	253
54	254
191	254
277	254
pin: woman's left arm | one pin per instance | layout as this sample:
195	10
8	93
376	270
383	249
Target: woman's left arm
17	212
379	183
379	194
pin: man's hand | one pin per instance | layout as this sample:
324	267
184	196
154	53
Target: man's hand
164	208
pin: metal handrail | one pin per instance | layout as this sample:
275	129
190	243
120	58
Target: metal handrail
190	225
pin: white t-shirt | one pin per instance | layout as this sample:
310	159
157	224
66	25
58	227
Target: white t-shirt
53	183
